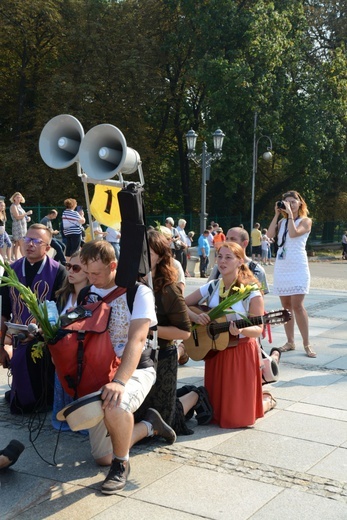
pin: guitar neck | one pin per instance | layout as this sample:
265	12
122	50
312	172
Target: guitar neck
240	324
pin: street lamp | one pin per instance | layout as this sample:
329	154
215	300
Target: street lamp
267	156
205	159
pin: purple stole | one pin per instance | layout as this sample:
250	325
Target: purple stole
42	286
32	381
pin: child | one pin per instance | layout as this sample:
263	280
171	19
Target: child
265	246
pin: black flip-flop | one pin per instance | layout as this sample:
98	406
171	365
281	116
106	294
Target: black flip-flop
12	451
203	408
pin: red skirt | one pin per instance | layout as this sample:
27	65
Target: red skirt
233	382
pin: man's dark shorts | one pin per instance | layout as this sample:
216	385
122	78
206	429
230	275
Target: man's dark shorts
256	250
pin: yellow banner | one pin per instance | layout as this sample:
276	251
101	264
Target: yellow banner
104	206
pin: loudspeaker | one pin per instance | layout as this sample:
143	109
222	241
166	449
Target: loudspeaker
104	153
60	141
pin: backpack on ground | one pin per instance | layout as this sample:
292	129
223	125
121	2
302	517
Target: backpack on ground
32	386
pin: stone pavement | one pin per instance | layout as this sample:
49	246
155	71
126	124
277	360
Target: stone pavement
291	465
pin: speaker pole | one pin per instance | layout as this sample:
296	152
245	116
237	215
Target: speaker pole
86	196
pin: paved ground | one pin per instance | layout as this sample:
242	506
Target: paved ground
291	465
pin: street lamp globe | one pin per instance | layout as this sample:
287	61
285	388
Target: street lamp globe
267	156
191	138
218	138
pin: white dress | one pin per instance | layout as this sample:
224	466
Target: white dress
291	273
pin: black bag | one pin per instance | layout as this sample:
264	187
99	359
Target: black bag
32	387
134	257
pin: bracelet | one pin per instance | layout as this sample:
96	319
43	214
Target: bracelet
119	382
289	218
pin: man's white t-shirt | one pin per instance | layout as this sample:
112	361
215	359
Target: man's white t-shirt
143	308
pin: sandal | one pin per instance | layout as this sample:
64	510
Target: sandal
276	350
287	346
273	402
12	451
309	352
203	408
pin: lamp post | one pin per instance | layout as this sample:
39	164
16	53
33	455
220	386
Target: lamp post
205	159
267	156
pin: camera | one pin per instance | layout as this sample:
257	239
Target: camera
280	204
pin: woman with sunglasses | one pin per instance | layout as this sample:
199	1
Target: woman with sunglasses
66	299
291	273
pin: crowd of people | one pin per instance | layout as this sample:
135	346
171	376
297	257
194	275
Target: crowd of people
73	231
148	334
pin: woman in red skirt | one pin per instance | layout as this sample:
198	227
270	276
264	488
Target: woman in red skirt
233	376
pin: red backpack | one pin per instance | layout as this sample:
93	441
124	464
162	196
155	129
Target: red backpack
82	351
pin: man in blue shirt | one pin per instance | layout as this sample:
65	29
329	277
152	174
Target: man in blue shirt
203	252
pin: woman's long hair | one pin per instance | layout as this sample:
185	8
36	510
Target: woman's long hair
244	275
3	211
165	273
303	210
66	289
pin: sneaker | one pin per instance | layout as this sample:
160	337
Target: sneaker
159	425
116	478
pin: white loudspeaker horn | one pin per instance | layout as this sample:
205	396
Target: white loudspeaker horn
104	153
60	141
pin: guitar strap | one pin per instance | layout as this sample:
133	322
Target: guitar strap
212	288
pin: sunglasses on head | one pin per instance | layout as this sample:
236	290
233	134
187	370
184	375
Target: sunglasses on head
76	268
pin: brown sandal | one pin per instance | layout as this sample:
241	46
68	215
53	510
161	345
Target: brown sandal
309	352
271	399
287	346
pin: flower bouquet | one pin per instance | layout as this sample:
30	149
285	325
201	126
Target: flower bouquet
48	330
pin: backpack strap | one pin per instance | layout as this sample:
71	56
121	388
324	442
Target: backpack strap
252	266
131	293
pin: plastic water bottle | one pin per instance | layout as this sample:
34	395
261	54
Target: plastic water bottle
52	312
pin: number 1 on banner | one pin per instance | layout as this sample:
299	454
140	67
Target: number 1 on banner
104	206
109	202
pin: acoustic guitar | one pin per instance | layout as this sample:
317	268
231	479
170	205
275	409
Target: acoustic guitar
215	336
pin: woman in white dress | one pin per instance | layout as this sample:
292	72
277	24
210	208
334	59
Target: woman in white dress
20	217
291	273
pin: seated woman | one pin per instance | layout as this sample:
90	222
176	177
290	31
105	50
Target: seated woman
173	324
233	376
67	299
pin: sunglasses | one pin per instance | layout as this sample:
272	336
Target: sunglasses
34	241
76	268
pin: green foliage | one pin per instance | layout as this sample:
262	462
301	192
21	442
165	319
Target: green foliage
156	68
